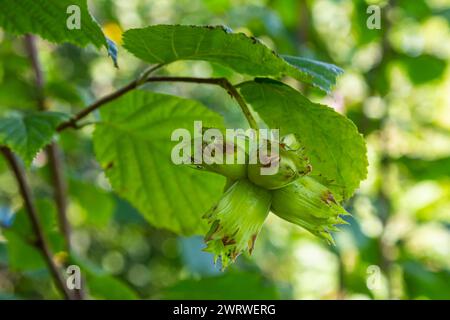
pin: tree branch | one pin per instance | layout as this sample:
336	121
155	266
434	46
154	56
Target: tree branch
30	45
72	123
60	191
41	243
222	82
54	153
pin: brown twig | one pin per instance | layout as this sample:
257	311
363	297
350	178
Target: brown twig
60	190
72	122
53	151
222	82
30	45
41	242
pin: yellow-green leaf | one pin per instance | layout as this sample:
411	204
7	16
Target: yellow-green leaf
133	145
336	149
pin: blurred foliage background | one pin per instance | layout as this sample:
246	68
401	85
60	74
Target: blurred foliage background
395	88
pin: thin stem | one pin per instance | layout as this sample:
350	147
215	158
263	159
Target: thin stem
147	72
30	45
60	190
222	82
72	123
245	109
41	242
54	153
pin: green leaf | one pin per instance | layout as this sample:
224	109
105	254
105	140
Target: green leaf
422	282
426	169
336	150
27	134
132	144
63	91
97	205
101	285
49	19
417	10
22	254
363	35
16	90
323	74
231	286
423	68
109	288
243	54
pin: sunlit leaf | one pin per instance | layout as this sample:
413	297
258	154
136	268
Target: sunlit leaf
132	143
54	20
247	55
336	150
97	205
